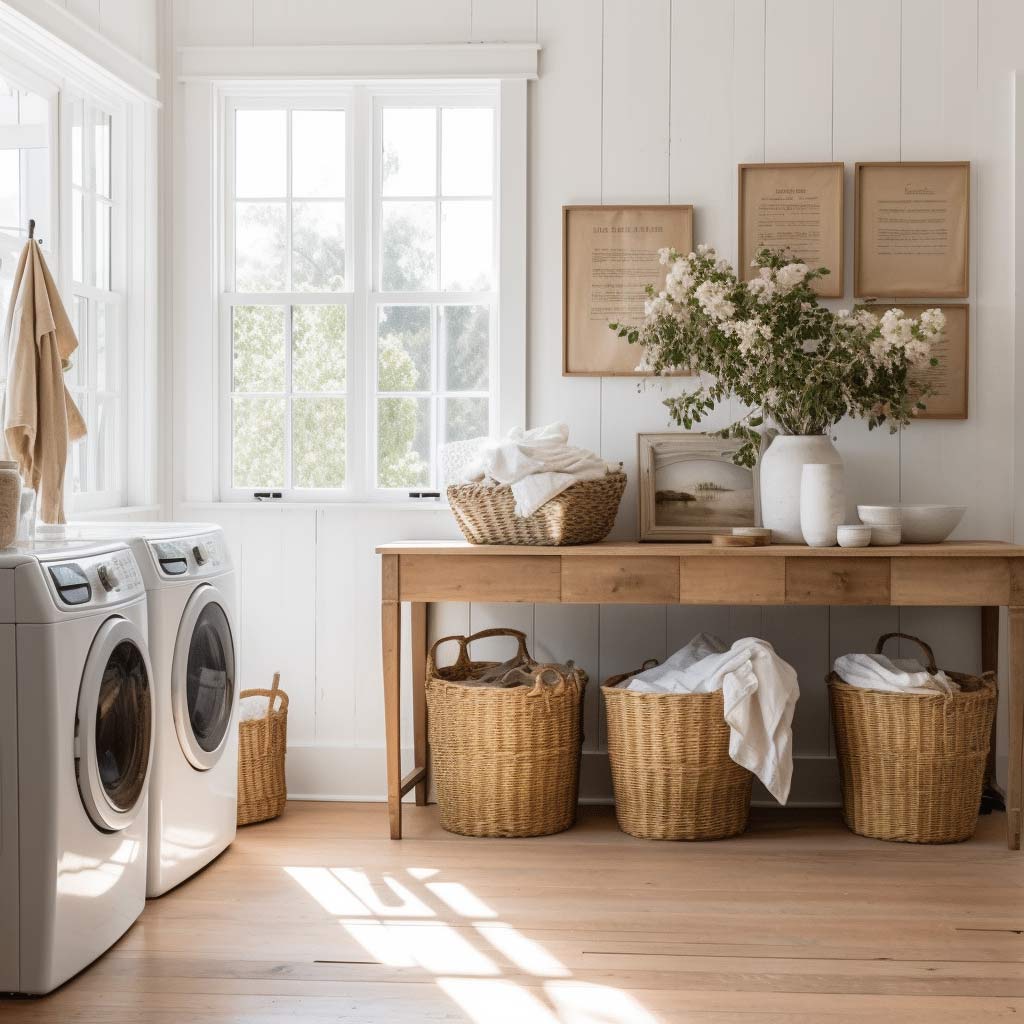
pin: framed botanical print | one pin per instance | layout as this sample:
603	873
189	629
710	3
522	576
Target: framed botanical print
691	490
609	256
798	207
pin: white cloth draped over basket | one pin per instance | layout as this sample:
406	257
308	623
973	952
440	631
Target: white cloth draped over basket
902	675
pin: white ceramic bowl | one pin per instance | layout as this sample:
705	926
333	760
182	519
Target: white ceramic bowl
886	536
853	536
879	515
929	524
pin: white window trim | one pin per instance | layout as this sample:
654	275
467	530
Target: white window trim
508	361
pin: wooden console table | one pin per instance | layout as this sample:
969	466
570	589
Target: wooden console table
980	573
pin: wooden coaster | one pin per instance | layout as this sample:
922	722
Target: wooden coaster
732	540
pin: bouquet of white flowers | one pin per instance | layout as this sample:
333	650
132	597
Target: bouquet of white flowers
770	344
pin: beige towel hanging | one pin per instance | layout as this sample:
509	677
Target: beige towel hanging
39	417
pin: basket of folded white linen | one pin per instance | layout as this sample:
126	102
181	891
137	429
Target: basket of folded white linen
533	487
912	743
685	738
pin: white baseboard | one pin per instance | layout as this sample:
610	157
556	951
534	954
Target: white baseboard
356	774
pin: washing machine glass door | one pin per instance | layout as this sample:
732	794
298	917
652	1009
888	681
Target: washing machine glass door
114	725
203	678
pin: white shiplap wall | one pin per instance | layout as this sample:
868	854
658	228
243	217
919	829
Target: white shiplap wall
651	101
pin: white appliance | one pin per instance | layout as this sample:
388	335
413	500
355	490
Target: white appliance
190	586
76	730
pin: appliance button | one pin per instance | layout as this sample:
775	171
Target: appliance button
201	554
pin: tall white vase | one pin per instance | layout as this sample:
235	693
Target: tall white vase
822	503
781	467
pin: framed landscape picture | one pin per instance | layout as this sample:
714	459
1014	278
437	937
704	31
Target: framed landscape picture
690	489
798	207
609	256
912	230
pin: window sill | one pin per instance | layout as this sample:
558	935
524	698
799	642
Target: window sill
362	506
115	514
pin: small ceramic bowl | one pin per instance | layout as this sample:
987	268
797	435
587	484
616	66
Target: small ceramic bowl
886	536
880	515
854	536
930	524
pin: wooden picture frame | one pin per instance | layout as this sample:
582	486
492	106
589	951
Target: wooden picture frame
796	206
589	347
952	376
920	246
708	463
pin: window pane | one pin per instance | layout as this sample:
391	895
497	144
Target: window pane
466	246
467	333
102	355
409	158
77	235
260	153
260	252
318	348
404	349
10	188
101	153
467	151
403	442
318	247
75	375
318	442
257	348
257	456
465	418
101	268
77	152
408	247
318	153
103	430
78	452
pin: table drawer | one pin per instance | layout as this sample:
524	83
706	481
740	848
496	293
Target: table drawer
479	578
811	580
606	580
955	581
732	579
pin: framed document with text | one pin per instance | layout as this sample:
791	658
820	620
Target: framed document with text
912	230
609	256
951	377
798	207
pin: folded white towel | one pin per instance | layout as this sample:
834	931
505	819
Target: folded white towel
760	692
539	464
877	672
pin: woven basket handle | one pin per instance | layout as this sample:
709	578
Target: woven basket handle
462	661
931	666
649	663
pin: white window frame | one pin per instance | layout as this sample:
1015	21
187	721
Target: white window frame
363	101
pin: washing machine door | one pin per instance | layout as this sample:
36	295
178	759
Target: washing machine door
203	678
114	725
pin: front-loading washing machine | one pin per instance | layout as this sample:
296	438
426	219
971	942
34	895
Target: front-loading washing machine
76	731
190	586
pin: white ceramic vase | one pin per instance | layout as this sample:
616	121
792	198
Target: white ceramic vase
822	503
781	469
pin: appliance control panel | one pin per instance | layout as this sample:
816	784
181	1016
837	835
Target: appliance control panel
190	557
93	580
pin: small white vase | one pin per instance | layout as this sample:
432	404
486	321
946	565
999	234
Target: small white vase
822	503
780	473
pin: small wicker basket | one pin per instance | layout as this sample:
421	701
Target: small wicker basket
582	514
505	761
912	765
671	770
262	791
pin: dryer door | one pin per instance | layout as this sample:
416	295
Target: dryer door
203	678
114	725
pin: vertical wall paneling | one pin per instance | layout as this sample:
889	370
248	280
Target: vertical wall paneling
498	21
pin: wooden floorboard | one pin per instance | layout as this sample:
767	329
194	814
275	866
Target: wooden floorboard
319	917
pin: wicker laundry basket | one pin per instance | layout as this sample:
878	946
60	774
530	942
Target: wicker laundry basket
912	765
261	751
671	770
582	514
505	761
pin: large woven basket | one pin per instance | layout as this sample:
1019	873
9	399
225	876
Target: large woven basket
505	761
912	765
671	770
581	514
262	792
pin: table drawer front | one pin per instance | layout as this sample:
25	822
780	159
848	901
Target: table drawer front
732	579
608	580
480	578
951	581
812	580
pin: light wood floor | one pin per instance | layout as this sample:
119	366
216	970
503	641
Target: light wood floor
318	917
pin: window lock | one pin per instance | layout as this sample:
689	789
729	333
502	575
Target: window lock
424	494
266	495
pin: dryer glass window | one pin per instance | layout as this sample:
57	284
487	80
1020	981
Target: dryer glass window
210	683
123	719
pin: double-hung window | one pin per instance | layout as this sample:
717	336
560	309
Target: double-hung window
359	317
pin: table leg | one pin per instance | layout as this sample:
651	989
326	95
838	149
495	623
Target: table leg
990	663
419	697
391	652
1015	718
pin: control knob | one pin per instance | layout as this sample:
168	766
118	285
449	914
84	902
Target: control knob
108	577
